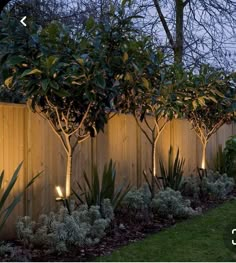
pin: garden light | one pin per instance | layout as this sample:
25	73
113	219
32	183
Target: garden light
59	192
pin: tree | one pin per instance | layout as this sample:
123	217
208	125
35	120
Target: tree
192	31
210	103
150	93
70	81
72	13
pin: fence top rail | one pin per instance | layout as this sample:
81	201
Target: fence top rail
9	104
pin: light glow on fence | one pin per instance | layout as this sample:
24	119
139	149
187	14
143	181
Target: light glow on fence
59	192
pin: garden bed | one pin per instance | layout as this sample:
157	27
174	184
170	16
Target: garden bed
122	232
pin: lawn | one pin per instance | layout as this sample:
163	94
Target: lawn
198	239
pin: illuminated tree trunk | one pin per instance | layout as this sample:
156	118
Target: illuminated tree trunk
154	172
68	174
203	164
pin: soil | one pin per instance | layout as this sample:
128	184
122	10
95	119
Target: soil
123	231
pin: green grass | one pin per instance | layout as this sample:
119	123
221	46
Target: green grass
197	239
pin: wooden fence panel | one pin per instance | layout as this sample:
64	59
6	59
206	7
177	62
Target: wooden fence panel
12	120
26	136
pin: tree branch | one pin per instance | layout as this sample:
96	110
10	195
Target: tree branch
164	23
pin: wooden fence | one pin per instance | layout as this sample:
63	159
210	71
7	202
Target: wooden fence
24	136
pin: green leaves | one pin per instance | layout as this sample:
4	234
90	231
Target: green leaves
28	72
90	23
173	174
8	81
5	213
96	191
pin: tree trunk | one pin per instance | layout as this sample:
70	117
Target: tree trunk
203	164
154	168
178	49
68	173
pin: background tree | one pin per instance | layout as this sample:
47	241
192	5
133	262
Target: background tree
150	93
210	103
192	31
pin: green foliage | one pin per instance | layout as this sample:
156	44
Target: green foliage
55	68
209	101
157	182
9	95
191	186
95	191
212	185
6	249
220	161
60	231
5	212
138	199
216	185
170	203
230	156
173	174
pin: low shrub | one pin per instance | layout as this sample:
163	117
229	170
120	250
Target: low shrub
6	249
136	204
213	185
138	199
230	156
217	186
59	231
169	203
191	187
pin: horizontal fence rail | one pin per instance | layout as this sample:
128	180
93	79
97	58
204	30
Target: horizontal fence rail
24	136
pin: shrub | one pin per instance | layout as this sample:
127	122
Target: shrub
138	199
6	249
173	174
217	186
96	191
191	186
59	231
170	203
230	155
4	195
220	161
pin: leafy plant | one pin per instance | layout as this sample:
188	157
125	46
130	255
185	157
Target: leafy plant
138	199
170	203
95	192
5	213
59	231
220	160
172	176
136	204
191	186
216	185
155	183
230	156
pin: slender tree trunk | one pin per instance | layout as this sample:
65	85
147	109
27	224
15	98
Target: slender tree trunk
154	168
178	49
203	164
68	173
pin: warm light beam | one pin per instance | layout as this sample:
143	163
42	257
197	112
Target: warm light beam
59	192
